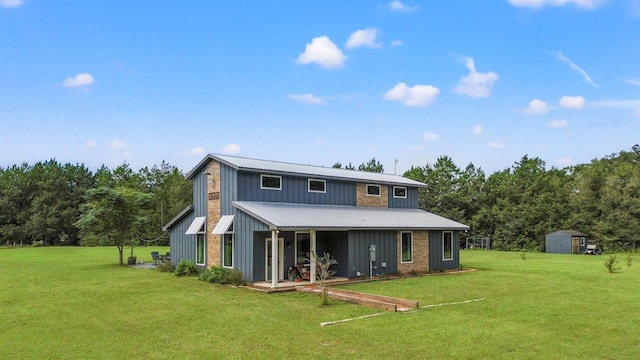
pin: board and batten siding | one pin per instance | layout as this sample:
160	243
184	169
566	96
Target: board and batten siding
295	189
436	261
245	253
359	242
410	202
183	247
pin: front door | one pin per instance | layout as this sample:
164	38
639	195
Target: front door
574	245
269	259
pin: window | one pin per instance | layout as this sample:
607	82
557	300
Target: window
227	250
447	245
270	182
582	241
373	190
399	192
200	249
407	247
318	186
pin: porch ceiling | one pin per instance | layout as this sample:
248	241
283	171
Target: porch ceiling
286	216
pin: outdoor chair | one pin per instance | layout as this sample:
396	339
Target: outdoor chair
305	274
168	255
155	255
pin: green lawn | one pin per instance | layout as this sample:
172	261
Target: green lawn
77	303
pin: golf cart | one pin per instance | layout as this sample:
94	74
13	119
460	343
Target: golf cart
593	250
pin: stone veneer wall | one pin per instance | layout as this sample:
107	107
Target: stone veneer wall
213	213
420	252
372	201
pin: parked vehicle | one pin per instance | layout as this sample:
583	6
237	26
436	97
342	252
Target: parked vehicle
593	250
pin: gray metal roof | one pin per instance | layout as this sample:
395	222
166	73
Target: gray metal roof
332	217
177	218
285	168
569	232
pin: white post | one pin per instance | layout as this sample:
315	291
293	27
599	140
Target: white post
312	268
274	258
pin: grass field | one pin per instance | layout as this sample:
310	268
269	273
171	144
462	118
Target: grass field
69	303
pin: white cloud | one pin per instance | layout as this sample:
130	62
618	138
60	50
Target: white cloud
90	144
397	42
635	82
537	106
197	151
572	102
117	145
231	149
475	84
397	6
365	37
418	95
429	136
585	4
575	67
324	52
307	99
562	162
477	129
496	145
11	3
83	79
554	124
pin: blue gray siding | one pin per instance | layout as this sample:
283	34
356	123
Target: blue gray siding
228	189
560	243
436	262
183	247
295	190
244	252
410	202
386	251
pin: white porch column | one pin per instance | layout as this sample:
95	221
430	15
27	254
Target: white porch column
312	269
274	258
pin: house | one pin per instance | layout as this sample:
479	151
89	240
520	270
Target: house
264	217
565	242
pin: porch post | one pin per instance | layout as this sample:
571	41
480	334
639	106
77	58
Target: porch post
312	269
274	258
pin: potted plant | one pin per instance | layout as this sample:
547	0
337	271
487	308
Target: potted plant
292	274
131	260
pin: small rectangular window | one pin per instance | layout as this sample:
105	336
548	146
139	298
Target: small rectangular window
373	190
447	245
319	186
400	192
271	182
200	249
582	241
407	247
227	250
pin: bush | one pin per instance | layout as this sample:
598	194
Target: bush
37	243
186	268
629	260
612	264
166	266
220	275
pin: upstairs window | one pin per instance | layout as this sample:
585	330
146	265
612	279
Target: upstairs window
373	190
270	182
400	192
317	186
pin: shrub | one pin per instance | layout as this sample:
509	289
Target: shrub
166	266
187	268
523	256
236	278
413	272
37	243
220	275
612	263
629	260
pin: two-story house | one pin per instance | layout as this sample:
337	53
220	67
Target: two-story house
264	217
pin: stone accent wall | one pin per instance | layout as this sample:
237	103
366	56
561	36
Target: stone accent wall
213	213
420	252
372	201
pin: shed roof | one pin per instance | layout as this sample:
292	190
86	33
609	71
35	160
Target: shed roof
288	216
285	168
568	232
177	218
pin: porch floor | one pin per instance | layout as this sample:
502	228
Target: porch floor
282	284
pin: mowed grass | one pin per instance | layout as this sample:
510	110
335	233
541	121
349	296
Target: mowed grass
69	303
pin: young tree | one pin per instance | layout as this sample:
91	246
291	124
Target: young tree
323	263
112	217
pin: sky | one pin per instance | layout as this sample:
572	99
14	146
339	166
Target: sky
318	82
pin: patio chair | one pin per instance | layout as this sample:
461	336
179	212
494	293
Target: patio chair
155	255
305	274
168	255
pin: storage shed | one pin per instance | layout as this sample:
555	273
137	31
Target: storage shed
565	242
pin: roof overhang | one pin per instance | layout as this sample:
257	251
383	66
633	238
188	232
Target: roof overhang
286	216
177	218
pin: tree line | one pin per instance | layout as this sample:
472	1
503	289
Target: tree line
515	207
42	203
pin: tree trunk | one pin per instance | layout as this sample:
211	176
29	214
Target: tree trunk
120	252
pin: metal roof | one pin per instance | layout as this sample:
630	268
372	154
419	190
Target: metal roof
285	168
569	232
288	216
177	218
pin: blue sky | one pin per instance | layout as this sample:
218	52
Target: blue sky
315	82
